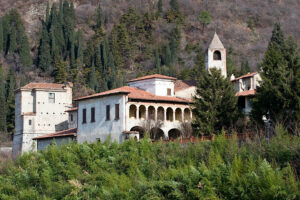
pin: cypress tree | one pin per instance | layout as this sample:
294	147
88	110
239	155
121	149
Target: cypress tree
44	56
98	17
174	5
13	40
11	86
47	15
215	104
79	47
6	30
157	61
98	59
92	79
1	36
105	54
245	68
167	58
3	106
160	7
25	57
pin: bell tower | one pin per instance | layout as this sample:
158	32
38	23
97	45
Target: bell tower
216	56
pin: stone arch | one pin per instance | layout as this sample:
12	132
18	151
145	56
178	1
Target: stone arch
187	115
151	113
174	134
178	114
170	114
132	111
139	129
157	134
217	55
161	113
142	112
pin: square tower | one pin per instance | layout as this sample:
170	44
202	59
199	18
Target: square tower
39	110
216	56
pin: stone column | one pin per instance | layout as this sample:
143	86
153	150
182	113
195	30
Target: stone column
137	112
174	109
146	117
165	114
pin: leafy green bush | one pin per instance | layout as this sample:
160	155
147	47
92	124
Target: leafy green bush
220	169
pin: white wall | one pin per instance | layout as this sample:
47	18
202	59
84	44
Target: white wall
101	128
156	86
187	93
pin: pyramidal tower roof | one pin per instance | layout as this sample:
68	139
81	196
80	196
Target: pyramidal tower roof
216	43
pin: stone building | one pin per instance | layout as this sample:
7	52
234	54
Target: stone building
39	110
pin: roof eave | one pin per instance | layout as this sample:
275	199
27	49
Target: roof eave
100	96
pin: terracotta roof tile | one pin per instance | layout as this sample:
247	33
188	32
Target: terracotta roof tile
181	85
152	76
245	93
245	76
136	94
72	109
43	86
68	132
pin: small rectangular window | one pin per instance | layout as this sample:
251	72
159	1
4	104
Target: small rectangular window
71	117
108	112
29	122
84	116
51	97
169	91
117	111
93	114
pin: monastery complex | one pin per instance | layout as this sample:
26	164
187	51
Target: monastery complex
158	104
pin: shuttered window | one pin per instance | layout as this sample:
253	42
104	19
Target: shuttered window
108	112
117	111
93	114
84	116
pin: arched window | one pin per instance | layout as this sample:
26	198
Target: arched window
178	115
217	55
132	111
160	114
170	114
151	113
142	112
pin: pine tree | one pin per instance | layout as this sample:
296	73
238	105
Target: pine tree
44	56
60	71
204	18
3	106
215	104
279	93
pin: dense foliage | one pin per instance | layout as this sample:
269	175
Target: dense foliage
220	169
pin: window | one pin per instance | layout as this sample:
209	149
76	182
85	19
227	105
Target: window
217	55
71	117
51	97
93	114
29	122
169	91
117	111
84	116
108	112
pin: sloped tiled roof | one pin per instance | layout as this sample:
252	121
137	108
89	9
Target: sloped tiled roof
245	76
64	133
72	109
151	77
216	43
43	86
136	94
245	93
181	85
